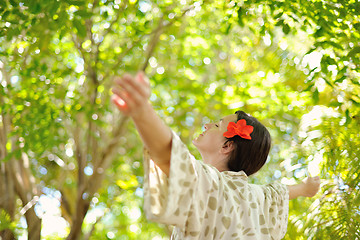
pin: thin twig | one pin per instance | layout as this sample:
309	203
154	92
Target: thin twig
88	235
156	34
105	159
80	157
153	42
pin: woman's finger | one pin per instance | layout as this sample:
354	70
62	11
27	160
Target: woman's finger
131	94
125	97
142	78
144	82
134	90
121	105
139	84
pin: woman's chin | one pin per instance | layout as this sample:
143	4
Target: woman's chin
195	142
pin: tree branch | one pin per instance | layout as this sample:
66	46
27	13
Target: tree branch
81	160
105	159
26	189
88	235
156	34
94	182
152	44
3	130
7	195
7	185
6	120
67	210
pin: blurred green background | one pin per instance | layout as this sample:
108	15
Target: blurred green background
71	164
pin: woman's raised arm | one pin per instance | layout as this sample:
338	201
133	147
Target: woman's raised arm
308	188
131	96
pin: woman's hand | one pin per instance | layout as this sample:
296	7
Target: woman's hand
131	94
311	185
308	188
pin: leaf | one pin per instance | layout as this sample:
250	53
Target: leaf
355	102
279	23
3	4
340	79
286	28
35	7
312	70
315	96
355	81
75	2
319	33
84	14
328	82
325	44
228	29
6	222
348	117
309	87
54	7
12	32
278	15
240	17
13	3
357	26
354	51
329	60
336	45
81	29
262	30
5	15
335	104
310	51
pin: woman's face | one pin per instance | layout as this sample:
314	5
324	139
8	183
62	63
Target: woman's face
212	139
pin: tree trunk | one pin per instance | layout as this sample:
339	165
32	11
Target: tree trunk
34	224
26	189
7	199
7	235
7	189
82	208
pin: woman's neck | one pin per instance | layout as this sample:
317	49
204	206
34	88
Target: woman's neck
219	161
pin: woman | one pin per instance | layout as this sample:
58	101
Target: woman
209	199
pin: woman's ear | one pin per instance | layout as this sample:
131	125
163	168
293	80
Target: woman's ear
227	147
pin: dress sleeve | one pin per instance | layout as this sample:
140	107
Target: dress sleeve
276	208
168	199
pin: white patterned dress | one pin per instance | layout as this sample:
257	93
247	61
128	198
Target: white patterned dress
203	203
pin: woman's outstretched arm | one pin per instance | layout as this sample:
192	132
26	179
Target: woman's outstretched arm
308	188
131	96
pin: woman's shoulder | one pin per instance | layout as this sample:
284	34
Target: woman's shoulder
230	179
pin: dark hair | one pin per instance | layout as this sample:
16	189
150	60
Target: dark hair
250	155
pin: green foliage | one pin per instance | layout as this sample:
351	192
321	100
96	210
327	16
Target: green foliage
339	210
5	221
332	27
277	60
336	213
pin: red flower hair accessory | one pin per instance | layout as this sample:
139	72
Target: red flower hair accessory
240	129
